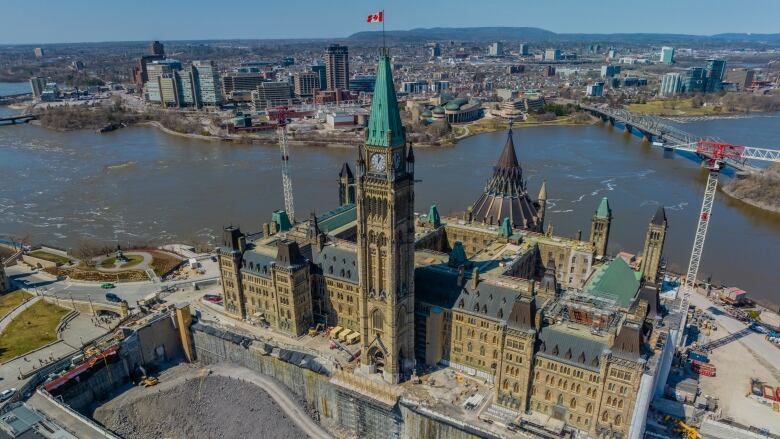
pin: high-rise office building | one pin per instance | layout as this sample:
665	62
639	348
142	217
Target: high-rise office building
694	80
596	89
364	83
321	72
552	54
667	55
37	84
671	84
609	71
715	72
496	49
435	50
337	67
205	80
524	49
39	52
306	83
157	48
241	81
270	94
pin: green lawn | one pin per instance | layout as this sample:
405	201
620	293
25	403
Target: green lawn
50	257
11	300
34	327
674	107
131	261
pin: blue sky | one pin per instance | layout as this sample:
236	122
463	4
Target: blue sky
55	21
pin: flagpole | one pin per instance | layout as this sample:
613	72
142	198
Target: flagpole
384	43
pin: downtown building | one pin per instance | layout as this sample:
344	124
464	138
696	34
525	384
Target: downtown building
171	86
568	336
337	67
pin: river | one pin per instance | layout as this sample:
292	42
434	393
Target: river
14	88
141	184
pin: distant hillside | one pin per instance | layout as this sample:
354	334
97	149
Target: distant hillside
537	34
461	34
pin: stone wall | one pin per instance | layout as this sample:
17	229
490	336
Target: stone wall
338	407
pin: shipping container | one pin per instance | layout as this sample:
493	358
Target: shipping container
698	357
769	392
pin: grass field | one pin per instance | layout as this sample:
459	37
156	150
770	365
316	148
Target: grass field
34	327
674	107
11	300
61	260
163	262
131	261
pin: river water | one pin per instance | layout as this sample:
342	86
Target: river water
13	88
141	184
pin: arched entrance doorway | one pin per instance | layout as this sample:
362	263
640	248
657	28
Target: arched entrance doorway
377	358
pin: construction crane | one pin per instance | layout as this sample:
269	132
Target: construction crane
289	204
714	153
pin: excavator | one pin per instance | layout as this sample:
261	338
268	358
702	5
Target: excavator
685	430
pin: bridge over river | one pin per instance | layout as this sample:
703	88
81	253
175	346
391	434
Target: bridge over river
22	118
658	129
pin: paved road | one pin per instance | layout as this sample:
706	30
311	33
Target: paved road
752	340
132	292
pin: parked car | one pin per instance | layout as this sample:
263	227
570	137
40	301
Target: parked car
111	297
107	286
213	298
7	394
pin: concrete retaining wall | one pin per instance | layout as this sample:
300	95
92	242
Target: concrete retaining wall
89	307
358	414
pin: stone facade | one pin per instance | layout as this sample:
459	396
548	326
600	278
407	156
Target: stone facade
558	328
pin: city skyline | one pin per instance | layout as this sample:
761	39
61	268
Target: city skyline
274	21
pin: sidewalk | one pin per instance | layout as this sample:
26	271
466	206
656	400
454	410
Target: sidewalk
15	313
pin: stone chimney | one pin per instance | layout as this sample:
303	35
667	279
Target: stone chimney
475	278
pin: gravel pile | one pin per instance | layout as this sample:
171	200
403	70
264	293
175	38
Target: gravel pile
211	407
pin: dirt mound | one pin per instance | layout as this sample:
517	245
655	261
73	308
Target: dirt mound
212	407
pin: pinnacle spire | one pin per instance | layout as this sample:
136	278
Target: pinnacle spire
384	126
659	219
604	211
542	192
508	158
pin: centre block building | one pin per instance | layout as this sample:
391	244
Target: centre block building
561	330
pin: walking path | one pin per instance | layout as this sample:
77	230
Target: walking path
279	394
18	310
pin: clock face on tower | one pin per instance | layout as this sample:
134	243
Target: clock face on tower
378	163
397	162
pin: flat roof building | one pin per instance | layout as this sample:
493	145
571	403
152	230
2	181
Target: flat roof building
337	67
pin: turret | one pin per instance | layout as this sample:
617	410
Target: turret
346	185
599	228
542	202
654	246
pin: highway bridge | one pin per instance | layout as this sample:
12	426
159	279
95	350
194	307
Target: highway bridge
657	129
13	120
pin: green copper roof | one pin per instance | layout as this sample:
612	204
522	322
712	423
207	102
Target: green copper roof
616	281
433	216
282	220
337	218
506	228
457	255
385	117
603	210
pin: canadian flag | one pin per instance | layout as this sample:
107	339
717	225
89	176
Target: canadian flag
377	17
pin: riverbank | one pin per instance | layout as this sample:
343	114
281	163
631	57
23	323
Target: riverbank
733	192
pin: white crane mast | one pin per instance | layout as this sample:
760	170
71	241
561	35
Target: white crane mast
289	204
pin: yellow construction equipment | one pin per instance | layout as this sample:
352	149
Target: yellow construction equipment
149	381
316	330
687	431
